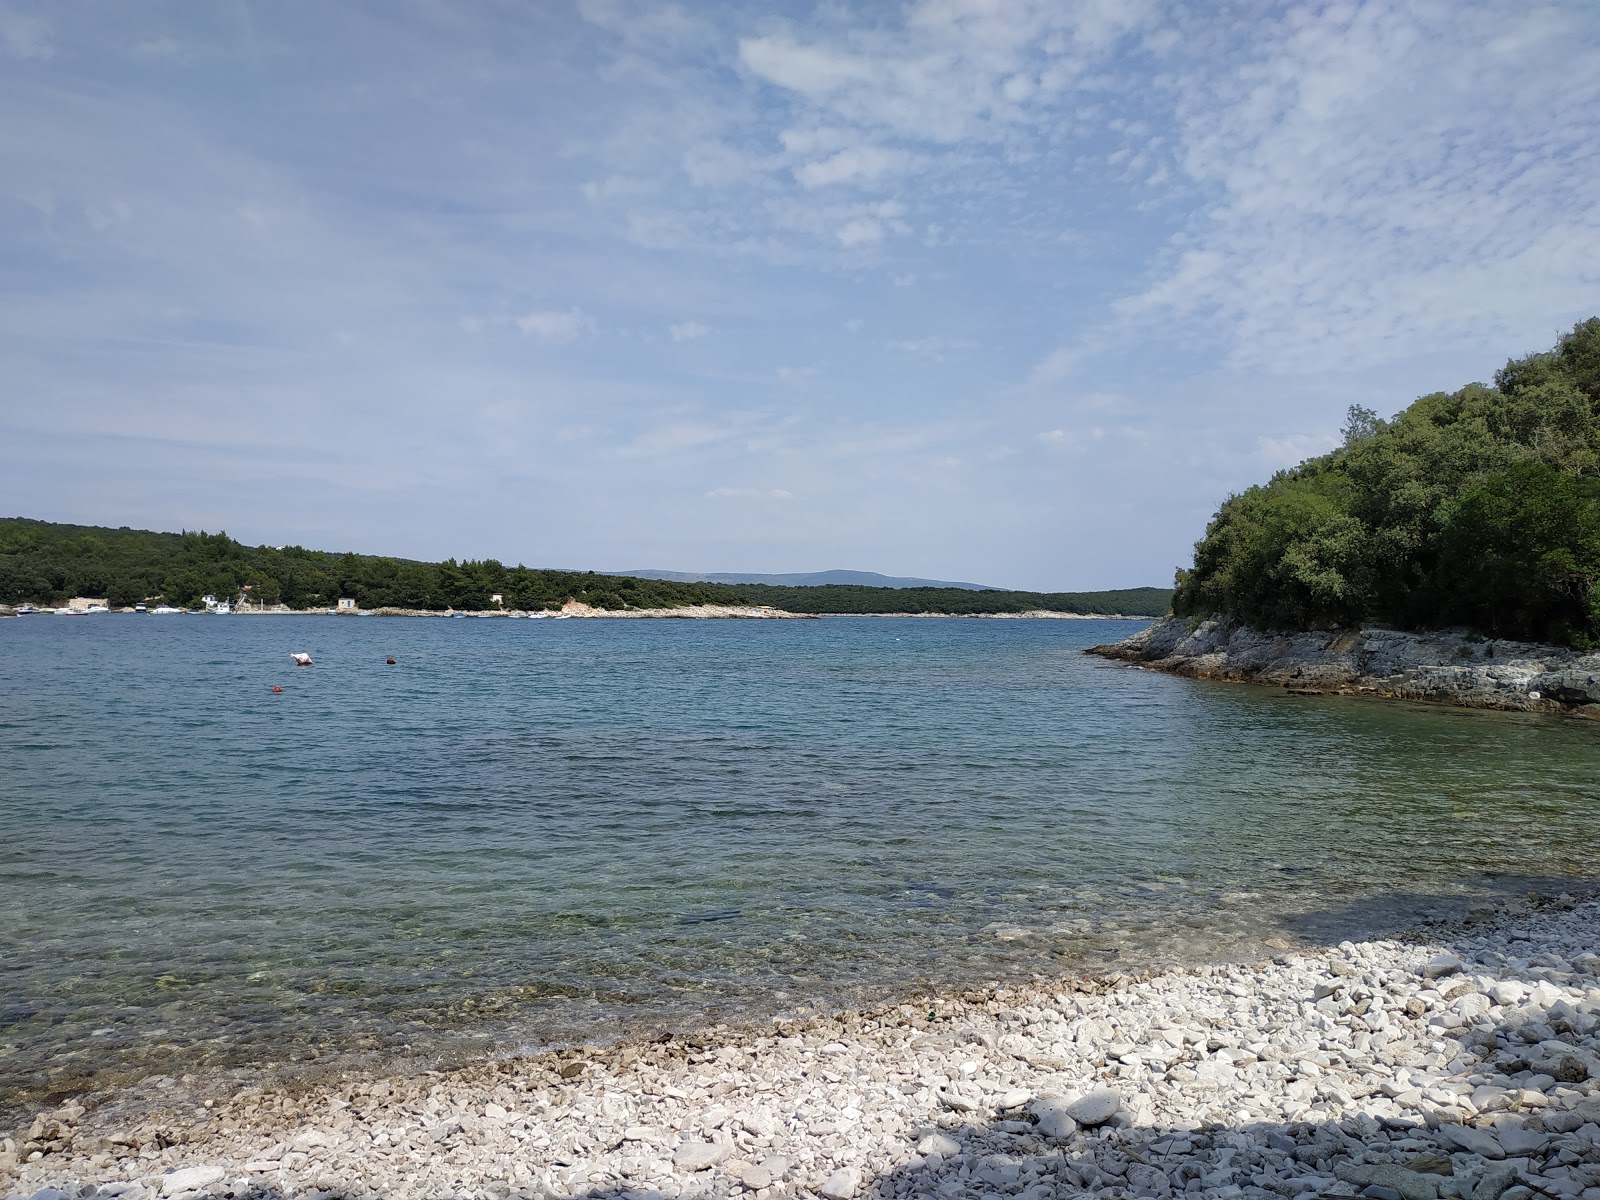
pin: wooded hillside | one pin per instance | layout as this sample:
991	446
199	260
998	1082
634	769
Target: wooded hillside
1476	508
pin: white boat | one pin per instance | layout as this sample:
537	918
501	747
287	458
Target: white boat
26	610
139	608
165	610
562	617
221	609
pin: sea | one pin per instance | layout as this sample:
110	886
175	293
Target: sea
526	833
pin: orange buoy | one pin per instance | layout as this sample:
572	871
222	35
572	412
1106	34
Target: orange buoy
390	661
277	689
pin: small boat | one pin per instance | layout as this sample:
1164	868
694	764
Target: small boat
562	617
221	609
72	612
26	610
165	610
301	659
140	608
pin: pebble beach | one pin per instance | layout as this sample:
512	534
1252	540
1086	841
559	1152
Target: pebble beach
1458	1061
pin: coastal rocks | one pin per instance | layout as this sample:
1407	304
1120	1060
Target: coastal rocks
1443	667
1222	1082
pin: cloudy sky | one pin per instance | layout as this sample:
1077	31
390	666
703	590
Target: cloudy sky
999	290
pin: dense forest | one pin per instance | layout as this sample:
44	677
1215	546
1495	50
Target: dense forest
45	563
42	563
1477	508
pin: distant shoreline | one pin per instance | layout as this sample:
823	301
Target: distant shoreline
696	612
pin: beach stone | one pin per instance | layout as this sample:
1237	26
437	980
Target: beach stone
1012	1099
699	1156
1054	1120
1432	1164
1474	1141
765	1173
190	1179
1147	1180
1411	1185
1441	965
48	1194
1519	1140
1494	1183
1508	991
938	1143
841	1185
956	1102
1096	1108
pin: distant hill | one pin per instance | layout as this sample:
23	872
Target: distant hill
810	579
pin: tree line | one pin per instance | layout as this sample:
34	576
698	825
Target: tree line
840	598
43	562
1477	508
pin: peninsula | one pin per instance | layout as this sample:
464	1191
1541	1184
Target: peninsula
1451	553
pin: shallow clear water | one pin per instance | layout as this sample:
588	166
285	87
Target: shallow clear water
534	830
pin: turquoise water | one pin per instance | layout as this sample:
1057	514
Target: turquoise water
532	831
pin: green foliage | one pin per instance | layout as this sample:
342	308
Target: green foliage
44	563
1477	508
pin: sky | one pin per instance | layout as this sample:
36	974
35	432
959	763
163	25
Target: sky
994	290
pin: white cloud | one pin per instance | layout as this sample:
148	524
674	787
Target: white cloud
688	331
1385	177
861	231
953	70
855	164
1291	451
553	326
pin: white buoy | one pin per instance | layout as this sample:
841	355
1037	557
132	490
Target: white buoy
302	659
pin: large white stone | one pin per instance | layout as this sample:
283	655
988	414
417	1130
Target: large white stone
938	1143
1475	1141
1441	965
189	1179
1096	1108
841	1185
699	1156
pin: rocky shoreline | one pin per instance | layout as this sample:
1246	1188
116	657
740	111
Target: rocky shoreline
1462	1062
1446	667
